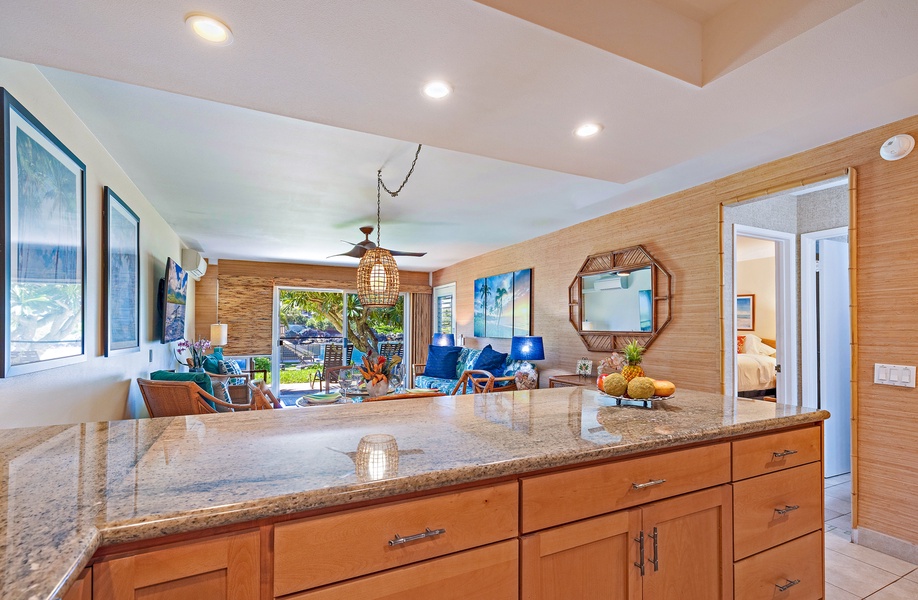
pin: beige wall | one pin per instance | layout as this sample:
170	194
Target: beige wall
757	276
681	230
99	389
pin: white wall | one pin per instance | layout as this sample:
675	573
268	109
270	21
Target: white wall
99	389
757	276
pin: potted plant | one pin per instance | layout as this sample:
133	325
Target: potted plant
197	350
376	371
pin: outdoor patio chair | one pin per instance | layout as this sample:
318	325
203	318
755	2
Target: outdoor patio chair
390	349
331	357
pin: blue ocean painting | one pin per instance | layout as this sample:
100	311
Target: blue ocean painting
522	302
482	293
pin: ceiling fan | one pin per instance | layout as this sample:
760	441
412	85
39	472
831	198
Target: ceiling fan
361	248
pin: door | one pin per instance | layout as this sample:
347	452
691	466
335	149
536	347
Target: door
834	351
220	568
590	560
701	522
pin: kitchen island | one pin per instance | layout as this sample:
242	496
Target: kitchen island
517	480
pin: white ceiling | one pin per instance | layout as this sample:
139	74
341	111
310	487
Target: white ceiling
520	89
748	248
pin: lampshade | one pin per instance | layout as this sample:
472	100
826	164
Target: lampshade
444	339
528	347
377	457
218	334
377	279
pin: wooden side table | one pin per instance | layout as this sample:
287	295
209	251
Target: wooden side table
572	381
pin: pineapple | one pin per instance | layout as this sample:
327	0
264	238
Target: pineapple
633	354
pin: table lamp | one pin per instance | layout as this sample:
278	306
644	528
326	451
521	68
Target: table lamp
528	348
218	333
444	339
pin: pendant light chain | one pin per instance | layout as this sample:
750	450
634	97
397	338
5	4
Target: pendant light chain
381	185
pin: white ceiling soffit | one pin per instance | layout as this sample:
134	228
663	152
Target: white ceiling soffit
520	89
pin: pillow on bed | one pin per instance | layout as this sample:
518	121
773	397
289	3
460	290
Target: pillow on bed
754	345
741	344
767	350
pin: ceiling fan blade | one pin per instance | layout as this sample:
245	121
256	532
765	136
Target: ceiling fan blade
400	253
356	252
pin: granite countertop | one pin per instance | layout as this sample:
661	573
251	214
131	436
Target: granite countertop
70	489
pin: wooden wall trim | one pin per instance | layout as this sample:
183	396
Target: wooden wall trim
421	328
317	276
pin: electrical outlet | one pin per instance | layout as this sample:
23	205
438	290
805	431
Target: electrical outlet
151	354
898	375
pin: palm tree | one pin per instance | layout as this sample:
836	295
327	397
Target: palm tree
499	298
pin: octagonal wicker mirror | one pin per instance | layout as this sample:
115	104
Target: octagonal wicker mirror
619	296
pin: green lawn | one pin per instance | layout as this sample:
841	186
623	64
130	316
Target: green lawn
292	375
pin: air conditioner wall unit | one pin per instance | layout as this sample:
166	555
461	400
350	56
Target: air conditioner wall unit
612	283
193	263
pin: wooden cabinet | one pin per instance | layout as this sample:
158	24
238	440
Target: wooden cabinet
326	549
82	588
223	567
792	571
489	573
638	553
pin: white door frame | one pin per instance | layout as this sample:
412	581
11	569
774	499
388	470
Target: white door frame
785	305
808	344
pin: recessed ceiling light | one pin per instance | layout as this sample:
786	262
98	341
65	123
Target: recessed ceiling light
438	89
210	29
588	129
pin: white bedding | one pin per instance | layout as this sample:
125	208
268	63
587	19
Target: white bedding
755	372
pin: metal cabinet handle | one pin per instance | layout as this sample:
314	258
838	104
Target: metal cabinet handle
787	508
783	454
640	541
655	561
790	583
641	486
418	536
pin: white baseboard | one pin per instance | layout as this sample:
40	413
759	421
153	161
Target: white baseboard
886	544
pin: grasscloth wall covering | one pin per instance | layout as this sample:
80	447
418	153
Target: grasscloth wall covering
245	296
422	326
681	231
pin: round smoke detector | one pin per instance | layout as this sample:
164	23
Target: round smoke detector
897	147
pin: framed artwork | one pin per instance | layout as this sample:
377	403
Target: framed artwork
44	246
585	367
121	275
745	312
503	305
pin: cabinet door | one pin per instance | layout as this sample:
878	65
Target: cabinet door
219	568
82	588
589	560
688	543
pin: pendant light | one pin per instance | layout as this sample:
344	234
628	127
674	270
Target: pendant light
377	273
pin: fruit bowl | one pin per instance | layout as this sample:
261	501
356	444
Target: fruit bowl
647	402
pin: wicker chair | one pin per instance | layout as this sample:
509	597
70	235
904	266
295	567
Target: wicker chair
179	398
474	381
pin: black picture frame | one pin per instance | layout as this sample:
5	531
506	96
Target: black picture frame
120	275
44	246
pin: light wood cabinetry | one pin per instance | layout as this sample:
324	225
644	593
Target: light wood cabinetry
322	550
489	573
549	500
795	566
82	588
637	553
223	567
776	451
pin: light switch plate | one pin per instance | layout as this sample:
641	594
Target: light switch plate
898	375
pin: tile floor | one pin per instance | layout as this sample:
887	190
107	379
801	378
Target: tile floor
854	572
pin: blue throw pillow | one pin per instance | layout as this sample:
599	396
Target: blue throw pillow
492	361
211	363
441	361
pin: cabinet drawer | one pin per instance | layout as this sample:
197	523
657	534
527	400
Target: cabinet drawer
326	549
801	560
485	573
776	451
549	500
757	524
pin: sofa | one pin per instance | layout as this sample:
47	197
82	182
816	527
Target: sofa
466	361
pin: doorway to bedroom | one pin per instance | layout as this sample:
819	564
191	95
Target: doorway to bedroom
775	245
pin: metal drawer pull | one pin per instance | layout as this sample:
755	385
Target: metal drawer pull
788	585
655	561
787	508
640	565
418	536
783	454
641	486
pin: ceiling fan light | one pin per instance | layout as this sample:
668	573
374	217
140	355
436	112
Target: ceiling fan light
377	279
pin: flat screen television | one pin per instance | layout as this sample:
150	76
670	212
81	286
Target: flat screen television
173	289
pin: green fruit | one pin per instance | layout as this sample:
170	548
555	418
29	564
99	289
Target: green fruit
641	388
614	384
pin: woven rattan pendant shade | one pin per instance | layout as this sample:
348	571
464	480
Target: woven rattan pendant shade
377	279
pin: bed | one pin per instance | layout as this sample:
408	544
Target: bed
755	365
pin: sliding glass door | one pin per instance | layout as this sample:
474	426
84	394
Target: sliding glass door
317	329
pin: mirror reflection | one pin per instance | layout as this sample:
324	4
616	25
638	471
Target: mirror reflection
618	301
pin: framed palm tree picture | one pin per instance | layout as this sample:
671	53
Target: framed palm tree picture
44	246
121	275
502	305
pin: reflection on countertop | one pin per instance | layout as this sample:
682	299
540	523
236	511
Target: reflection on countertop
70	489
